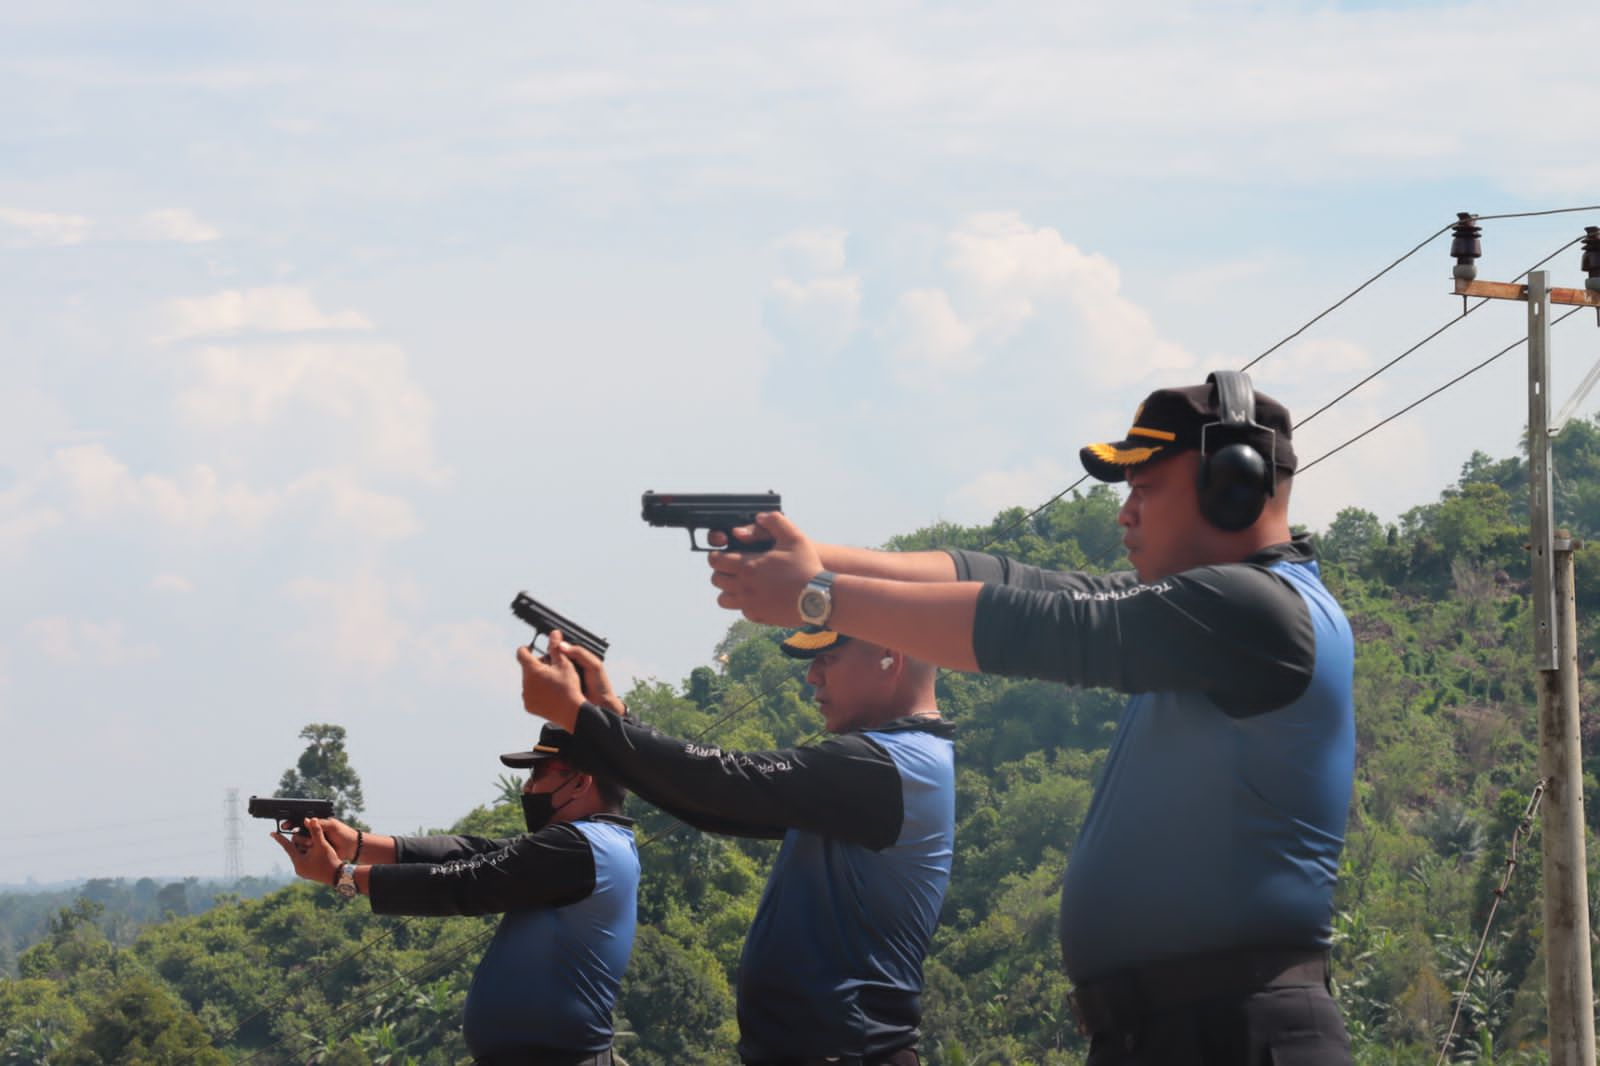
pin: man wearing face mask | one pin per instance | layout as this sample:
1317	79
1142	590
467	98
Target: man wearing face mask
543	991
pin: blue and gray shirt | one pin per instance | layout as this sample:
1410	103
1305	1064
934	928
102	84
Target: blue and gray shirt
832	965
549	978
1219	816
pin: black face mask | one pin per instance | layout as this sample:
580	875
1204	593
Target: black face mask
539	807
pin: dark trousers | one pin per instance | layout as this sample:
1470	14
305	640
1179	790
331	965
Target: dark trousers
1266	1008
906	1056
546	1057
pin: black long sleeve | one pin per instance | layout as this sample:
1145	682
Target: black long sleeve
846	787
1237	632
435	876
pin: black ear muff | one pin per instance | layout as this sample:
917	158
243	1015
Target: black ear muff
1235	479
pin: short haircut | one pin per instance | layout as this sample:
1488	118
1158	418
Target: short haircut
612	791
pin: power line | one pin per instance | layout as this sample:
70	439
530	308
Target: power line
1524	829
1453	321
1534	214
1348	296
1020	523
1417	403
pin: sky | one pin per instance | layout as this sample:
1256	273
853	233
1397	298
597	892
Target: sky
326	328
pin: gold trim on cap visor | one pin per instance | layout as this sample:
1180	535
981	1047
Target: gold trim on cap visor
1154	434
546	749
1122	457
803	641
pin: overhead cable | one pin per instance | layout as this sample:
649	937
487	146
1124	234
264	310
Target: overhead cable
1417	403
1455	319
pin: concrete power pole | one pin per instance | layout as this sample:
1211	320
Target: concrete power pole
1568	975
231	839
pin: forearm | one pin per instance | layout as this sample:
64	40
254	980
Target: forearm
552	867
376	850
924	566
846	787
930	622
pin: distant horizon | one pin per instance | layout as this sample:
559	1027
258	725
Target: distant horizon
31	886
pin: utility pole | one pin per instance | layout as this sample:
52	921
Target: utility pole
1568	976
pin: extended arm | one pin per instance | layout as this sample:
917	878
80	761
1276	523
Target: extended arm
550	868
923	566
921	610
845	787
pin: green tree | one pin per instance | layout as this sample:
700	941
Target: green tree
324	772
677	1004
140	1024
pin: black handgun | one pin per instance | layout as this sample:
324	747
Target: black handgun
543	620
289	813
711	511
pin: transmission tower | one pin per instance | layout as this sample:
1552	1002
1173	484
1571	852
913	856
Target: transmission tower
231	871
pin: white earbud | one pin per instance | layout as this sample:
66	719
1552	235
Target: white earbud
886	662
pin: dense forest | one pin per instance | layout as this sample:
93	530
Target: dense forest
1446	721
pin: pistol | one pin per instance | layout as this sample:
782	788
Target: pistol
543	620
289	813
711	511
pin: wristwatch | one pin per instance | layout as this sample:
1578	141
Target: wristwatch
816	600
346	884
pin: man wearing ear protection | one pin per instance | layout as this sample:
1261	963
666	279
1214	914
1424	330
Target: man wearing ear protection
543	992
1196	909
832	966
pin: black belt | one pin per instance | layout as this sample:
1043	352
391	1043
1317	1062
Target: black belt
544	1056
906	1056
1122	1000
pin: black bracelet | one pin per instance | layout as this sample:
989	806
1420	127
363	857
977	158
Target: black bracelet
356	858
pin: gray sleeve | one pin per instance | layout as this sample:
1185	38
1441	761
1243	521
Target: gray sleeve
999	570
550	868
444	848
1238	632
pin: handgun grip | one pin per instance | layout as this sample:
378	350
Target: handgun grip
752	547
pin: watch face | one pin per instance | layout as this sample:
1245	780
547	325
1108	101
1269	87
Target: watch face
814	605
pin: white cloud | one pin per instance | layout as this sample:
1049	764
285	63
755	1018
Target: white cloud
175	224
1367	473
172	583
1332	355
991	492
353	622
65	640
816	306
1007	277
821	314
271	309
566	87
810	252
31	229
364	387
475	653
926	336
23	519
101	485
351	508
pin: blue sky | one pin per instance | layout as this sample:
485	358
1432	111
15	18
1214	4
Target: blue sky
327	328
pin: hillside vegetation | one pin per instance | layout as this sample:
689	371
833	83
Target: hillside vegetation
1446	724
